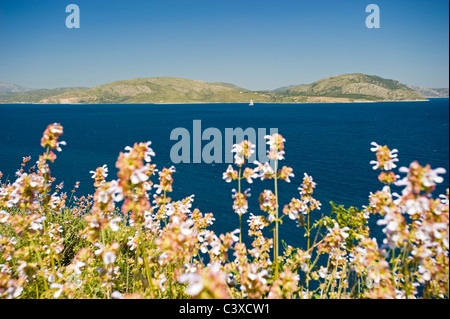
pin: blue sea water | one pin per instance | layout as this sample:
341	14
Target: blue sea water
330	142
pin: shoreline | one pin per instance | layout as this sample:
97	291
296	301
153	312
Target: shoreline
243	103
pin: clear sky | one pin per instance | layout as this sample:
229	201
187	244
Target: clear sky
256	44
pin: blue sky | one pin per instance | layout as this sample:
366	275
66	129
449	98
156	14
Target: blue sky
256	44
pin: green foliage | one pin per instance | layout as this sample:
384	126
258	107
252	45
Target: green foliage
352	218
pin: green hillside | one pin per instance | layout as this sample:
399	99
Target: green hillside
356	86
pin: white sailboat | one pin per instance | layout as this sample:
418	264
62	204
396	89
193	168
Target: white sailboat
251	103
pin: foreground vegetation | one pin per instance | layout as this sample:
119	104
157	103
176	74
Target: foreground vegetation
131	240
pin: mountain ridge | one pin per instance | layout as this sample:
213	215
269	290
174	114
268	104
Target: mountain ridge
355	87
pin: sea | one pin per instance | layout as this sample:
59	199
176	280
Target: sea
330	142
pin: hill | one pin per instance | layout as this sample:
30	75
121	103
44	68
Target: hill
430	93
35	96
171	90
11	88
161	90
356	87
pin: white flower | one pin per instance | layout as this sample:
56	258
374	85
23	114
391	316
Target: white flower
431	178
233	234
228	173
418	206
59	291
256	221
94	223
60	143
444	199
163	279
426	273
14	292
109	257
117	295
78	266
344	232
35	180
185	227
37	224
389	164
170	209
254	275
102	197
149	152
162	258
4	215
131	243
323	272
195	283
115	191
99	250
113	223
139	175
265	170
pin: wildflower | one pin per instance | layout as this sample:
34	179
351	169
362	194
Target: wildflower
166	180
285	173
255	275
233	234
100	172
109	257
267	201
139	175
249	174
276	145
308	185
162	280
240	204
51	136
78	266
388	177
59	288
385	157
195	283
295	207
257	222
431	177
323	272
113	223
143	150
344	231
100	248
265	170
230	174
243	150
117	295
185	227
395	230
416	206
115	191
4	216
419	178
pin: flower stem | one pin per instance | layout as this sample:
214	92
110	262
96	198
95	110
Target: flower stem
276	252
240	217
